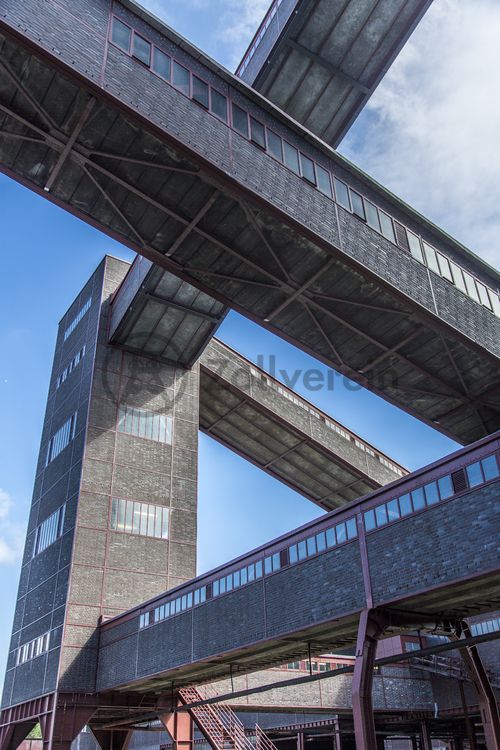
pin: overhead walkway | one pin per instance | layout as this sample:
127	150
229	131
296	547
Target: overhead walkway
421	551
128	126
321	60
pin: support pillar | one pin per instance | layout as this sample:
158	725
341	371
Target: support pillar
63	725
114	739
11	735
301	741
488	707
337	735
469	724
179	725
371	627
425	736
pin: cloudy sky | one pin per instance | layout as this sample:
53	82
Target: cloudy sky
430	134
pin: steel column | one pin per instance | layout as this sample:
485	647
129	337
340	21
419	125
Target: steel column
370	629
487	701
179	725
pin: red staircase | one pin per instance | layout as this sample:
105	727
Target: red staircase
219	724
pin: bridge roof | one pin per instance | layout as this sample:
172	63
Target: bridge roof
103	135
321	60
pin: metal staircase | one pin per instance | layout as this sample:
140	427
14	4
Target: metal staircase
219	724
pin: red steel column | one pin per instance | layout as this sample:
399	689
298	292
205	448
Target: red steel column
179	725
369	631
487	702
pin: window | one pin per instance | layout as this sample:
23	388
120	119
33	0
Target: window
431	493
49	531
458	278
272	563
444	267
291	157
32	649
418	499
219	104
401	237
180	78
405	504
357	205
61	439
431	258
142	50
161	63
240	120
415	247
490	468
257	133
342	194
274	145
381	515
70	367
483	295
392	510
69	330
474	474
445	487
370	520
121	35
133	517
307	167
145	424
200	92
470	286
324	183
386	226
372	216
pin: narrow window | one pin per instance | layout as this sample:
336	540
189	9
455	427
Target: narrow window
291	157
418	498
431	493
240	120
218	104
121	35
483	295
372	216
352	530
258	569
458	277
392	510
471	286
357	205
292	552
490	468
342	194
369	517
445	487
444	267
330	538
142	50
307	167
430	257
474	474
257	132
386	226
341	533
381	515
236	579
302	550
324	183
405	504
415	247
311	546
251	573
161	63
321	541
180	78
243	576
268	565
401	237
274	145
200	92
495	302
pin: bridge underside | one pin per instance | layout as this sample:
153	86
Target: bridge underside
110	170
329	58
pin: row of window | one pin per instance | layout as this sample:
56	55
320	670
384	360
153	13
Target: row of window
341	533
61	439
70	367
431	493
331	425
417	247
145	424
78	317
32	649
258	38
49	530
265	138
316	666
489	626
134	517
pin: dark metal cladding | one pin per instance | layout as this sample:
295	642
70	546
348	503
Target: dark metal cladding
321	60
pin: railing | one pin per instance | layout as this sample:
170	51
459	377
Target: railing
448	666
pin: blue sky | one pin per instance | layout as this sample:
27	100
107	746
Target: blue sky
430	134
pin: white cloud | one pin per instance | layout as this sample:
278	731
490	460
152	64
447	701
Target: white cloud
11	533
430	132
238	24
